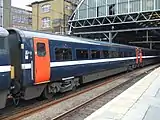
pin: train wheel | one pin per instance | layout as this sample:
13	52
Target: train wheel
74	88
46	94
16	101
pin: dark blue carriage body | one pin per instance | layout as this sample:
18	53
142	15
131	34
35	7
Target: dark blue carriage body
73	67
5	65
5	72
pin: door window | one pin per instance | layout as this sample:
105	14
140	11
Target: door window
41	49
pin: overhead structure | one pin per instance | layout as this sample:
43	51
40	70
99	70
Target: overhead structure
110	20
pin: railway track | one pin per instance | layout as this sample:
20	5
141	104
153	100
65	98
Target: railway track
90	105
38	108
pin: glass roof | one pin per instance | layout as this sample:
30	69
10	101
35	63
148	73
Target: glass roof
98	8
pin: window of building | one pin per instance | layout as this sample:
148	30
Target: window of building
147	5
101	8
112	9
29	20
81	54
91	8
157	4
63	54
95	54
46	8
41	49
46	22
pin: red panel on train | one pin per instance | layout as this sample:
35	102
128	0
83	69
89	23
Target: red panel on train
41	60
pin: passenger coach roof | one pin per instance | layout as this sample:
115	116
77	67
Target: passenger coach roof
30	34
3	32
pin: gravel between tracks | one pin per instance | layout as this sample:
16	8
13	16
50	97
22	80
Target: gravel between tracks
62	107
82	112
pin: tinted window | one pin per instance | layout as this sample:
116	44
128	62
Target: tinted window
121	54
126	54
81	54
130	54
95	54
63	54
105	54
2	43
113	54
41	49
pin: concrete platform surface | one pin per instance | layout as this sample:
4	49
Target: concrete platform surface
139	102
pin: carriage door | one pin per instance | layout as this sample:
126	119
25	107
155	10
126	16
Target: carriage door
41	60
137	55
141	56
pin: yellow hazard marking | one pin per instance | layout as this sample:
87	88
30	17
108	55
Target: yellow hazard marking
12	72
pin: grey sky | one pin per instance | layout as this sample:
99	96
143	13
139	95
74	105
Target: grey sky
22	3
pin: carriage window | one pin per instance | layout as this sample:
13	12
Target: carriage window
115	54
126	54
130	54
63	54
41	49
2	43
105	54
121	54
81	54
95	54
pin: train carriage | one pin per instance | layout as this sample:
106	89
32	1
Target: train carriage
5	68
44	64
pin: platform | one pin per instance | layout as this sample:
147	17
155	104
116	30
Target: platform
139	102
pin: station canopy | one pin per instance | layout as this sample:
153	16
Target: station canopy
118	20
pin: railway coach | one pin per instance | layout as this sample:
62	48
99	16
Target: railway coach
45	64
5	68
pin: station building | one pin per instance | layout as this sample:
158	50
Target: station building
52	15
21	18
134	22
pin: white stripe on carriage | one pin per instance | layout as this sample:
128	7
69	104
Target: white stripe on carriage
26	66
5	68
68	78
81	62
